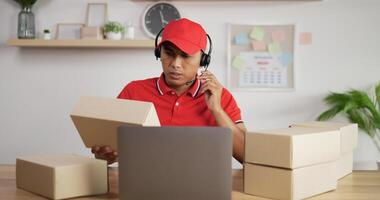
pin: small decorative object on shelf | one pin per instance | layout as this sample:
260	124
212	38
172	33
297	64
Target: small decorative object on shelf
91	33
114	30
46	34
130	31
26	25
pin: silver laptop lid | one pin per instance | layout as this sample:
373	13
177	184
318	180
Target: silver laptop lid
175	163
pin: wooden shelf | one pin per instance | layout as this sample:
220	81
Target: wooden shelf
81	43
228	0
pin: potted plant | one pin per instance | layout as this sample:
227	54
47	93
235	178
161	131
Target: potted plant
46	34
359	107
26	25
113	30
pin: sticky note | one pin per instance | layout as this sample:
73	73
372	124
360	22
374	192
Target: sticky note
274	48
241	39
306	38
257	33
238	63
286	59
278	36
259	45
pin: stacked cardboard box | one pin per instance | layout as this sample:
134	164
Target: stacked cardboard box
291	163
97	118
62	176
348	141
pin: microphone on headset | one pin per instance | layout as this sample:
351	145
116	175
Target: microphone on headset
190	82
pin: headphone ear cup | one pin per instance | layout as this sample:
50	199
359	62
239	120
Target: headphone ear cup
157	52
205	59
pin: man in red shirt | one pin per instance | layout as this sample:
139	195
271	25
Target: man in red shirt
180	96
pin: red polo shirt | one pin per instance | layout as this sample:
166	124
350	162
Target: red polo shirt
189	109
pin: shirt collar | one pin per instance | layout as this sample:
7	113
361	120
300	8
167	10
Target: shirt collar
163	88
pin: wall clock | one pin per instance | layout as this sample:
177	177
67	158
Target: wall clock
157	15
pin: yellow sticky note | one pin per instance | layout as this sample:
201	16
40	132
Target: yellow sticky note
257	33
274	48
238	63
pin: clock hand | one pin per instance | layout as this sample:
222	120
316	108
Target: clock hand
162	17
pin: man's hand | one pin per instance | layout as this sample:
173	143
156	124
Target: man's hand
213	91
105	153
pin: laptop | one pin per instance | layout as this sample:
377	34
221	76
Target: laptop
174	163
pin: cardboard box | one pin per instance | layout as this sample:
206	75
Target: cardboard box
292	147
63	176
279	183
97	118
91	33
345	165
349	133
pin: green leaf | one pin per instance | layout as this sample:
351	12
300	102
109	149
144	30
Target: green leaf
26	3
377	94
330	113
357	106
363	119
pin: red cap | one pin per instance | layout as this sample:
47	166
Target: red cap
187	35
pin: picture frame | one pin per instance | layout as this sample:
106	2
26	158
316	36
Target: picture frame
261	57
96	14
68	31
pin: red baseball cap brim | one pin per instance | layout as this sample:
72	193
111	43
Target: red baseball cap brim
183	45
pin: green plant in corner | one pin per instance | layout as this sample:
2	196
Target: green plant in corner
26	3
359	107
113	27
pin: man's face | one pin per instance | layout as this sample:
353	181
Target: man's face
178	67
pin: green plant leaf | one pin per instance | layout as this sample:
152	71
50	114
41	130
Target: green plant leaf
357	106
377	94
363	100
330	113
113	26
363	119
26	3
337	98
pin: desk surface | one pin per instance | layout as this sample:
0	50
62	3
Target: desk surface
360	185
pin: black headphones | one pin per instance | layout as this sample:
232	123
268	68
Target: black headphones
205	58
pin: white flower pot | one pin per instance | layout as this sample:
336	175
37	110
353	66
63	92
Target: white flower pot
47	36
113	36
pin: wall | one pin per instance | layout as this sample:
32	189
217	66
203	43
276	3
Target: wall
39	87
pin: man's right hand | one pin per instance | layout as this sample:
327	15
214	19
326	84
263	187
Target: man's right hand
105	153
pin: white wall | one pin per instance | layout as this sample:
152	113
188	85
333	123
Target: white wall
38	87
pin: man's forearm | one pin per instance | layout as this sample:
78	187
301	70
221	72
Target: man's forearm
238	134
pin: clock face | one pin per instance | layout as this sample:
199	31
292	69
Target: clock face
157	16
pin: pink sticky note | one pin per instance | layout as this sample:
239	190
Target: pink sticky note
259	45
278	36
306	38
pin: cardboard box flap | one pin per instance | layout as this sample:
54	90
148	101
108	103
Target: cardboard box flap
151	118
118	110
292	147
348	131
97	118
